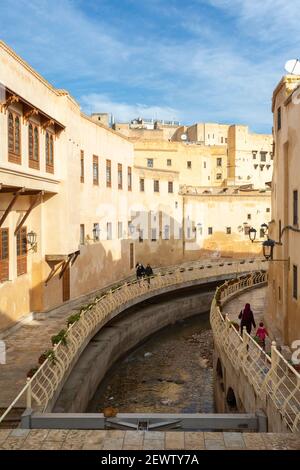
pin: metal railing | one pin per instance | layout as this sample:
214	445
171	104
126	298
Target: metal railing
51	375
272	377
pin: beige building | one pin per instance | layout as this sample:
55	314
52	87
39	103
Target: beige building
80	204
284	290
246	158
250	157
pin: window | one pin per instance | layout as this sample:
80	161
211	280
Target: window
261	233
248	216
120	176
226	140
271	155
208	178
169	162
279	293
228	230
167	232
14	138
210	230
153	234
141	235
95	170
246	229
82	234
156	186
49	152
81	166
222	140
96	232
219	176
176	205
295	207
189	165
219	161
170	186
279	229
33	146
279	118
108	173
142	185
204	164
254	153
22	251
4	255
295	282
109	230
129	179
131	255
263	156
150	162
120	229
268	209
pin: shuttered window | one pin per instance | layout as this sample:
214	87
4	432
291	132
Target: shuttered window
22	251
4	255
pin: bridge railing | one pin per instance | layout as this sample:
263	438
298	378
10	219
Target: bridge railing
272	376
51	375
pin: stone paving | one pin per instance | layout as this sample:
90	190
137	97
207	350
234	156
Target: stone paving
43	439
256	298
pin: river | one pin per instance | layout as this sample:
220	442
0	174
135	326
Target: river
170	372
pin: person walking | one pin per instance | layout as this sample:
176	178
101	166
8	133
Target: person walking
140	272
247	319
261	334
148	273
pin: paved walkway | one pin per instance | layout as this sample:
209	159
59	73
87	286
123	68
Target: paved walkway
44	439
256	298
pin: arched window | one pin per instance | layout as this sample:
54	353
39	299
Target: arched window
30	142
36	145
10	132
51	150
17	136
49	142
14	138
33	146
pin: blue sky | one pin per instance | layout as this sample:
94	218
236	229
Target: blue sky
198	60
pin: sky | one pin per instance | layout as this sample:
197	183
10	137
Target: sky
192	61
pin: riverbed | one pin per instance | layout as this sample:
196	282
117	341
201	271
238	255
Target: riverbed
171	372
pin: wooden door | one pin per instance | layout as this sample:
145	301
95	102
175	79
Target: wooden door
66	284
131	256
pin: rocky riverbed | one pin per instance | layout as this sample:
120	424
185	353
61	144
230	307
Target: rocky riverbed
170	372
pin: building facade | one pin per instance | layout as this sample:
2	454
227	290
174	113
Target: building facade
283	311
80	203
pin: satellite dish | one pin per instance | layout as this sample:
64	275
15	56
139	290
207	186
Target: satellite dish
293	66
183	137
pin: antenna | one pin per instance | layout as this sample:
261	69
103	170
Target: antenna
293	66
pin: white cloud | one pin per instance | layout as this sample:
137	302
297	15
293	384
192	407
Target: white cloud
124	112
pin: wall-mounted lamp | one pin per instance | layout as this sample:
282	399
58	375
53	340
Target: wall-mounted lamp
264	228
31	240
268	247
252	234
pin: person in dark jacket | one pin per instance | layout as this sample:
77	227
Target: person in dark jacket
148	273
247	319
140	272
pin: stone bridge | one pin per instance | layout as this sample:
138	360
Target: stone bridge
247	378
41	391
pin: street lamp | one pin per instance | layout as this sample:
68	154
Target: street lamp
31	240
268	247
252	234
264	228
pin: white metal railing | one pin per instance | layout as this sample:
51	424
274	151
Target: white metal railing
50	376
272	377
